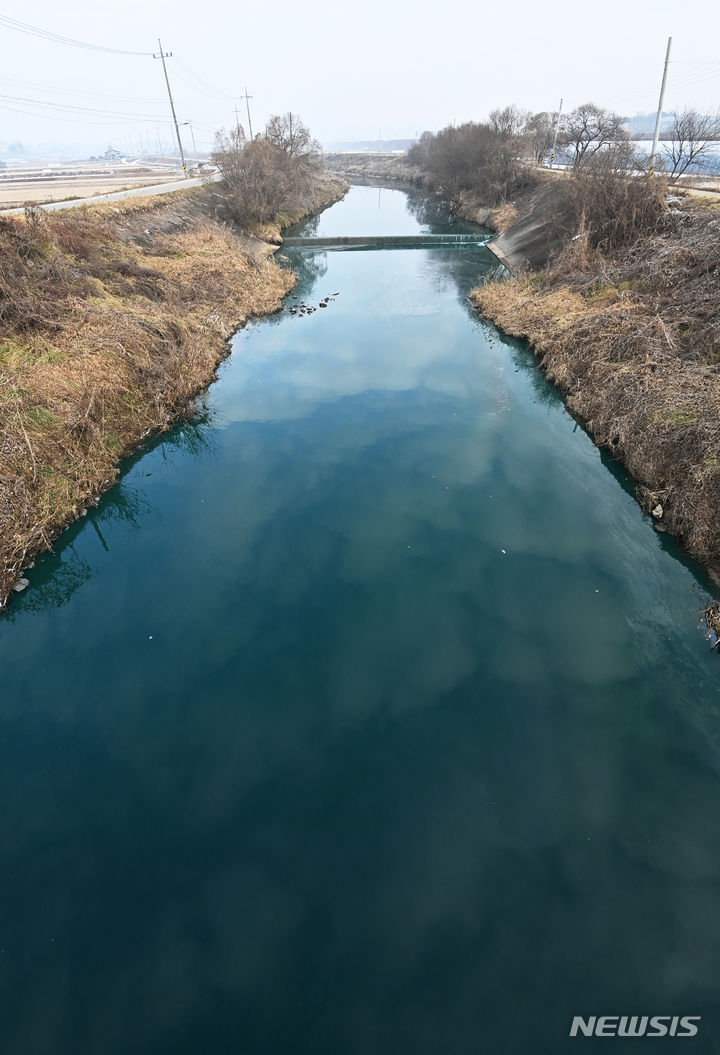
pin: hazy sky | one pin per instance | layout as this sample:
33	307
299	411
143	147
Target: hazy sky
348	70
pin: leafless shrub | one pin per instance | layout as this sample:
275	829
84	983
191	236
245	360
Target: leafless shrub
609	206
269	175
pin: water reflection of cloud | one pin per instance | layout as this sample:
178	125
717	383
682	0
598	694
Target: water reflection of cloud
378	341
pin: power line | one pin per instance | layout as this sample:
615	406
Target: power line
636	95
57	38
79	119
75	91
197	77
123	114
177	75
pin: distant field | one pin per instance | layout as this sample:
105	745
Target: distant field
25	185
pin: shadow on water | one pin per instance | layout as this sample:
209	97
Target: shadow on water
59	573
433	217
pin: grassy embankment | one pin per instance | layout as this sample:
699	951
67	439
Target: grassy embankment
111	319
632	339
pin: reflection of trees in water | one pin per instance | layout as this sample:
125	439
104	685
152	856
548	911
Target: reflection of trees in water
308	227
54	582
124	502
466	267
524	361
309	266
429	211
195	435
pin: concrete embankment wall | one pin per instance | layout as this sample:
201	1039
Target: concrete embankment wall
537	232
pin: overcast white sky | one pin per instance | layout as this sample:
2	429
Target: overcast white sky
399	66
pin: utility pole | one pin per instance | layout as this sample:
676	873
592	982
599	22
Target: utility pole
183	123
557	129
658	119
247	99
166	55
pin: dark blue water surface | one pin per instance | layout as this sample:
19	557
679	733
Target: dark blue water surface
366	714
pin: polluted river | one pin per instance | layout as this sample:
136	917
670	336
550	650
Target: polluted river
367	713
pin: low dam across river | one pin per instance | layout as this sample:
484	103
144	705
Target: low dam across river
391	241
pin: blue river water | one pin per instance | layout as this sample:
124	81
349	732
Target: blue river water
366	714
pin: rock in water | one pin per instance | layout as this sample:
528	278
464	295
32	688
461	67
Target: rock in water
20	585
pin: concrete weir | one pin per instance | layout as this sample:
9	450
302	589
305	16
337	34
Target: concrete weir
413	241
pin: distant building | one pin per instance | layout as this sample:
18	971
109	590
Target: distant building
112	155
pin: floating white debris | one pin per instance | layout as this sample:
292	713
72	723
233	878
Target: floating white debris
20	585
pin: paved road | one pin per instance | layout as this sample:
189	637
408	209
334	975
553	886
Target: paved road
134	192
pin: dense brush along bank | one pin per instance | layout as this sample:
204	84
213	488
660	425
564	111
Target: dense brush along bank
111	319
632	340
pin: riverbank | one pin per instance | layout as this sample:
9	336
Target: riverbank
632	340
391	170
113	318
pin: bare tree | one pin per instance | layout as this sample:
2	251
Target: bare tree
228	155
691	137
508	122
289	133
539	133
590	127
504	163
419	152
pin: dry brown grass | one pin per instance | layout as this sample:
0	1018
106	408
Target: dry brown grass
633	341
111	319
503	217
711	617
